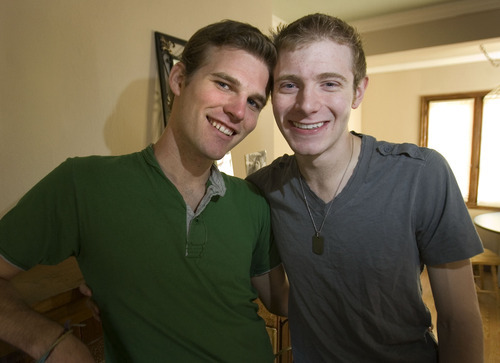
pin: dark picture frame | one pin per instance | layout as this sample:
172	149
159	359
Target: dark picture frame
168	52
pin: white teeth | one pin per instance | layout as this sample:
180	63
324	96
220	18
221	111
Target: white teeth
222	128
307	126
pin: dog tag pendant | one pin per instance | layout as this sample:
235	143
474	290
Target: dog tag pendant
318	243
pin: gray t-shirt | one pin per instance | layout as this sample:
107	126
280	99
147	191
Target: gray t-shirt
360	301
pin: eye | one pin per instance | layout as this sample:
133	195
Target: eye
331	85
287	87
222	84
254	104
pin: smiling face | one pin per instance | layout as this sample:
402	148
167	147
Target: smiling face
313	95
219	104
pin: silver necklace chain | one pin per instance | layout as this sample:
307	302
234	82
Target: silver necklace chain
316	230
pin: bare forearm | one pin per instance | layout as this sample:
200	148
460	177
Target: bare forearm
21	326
461	341
273	290
28	330
459	324
279	293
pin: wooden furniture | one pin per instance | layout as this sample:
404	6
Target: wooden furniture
53	291
491	259
277	328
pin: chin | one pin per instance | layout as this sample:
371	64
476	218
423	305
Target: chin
218	155
306	150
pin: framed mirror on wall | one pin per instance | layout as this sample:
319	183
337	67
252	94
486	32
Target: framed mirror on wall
168	52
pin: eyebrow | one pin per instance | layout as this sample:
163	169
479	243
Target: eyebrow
288	77
321	76
258	97
331	75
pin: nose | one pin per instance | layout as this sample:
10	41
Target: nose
307	101
236	108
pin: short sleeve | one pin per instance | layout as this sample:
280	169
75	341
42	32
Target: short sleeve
43	227
444	229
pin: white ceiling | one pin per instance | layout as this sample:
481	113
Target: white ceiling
437	56
369	15
348	10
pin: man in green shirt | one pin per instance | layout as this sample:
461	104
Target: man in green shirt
174	251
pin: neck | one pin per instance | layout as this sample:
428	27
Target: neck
187	173
328	174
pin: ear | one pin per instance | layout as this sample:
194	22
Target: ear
176	78
360	92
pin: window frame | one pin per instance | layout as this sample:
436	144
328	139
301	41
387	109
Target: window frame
476	135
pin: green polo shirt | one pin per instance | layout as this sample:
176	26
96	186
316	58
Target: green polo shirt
168	291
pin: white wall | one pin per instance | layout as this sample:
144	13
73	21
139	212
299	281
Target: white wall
80	78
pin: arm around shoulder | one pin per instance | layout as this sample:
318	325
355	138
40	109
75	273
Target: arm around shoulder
459	324
273	290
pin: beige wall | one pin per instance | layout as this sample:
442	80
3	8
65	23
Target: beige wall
391	107
80	78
